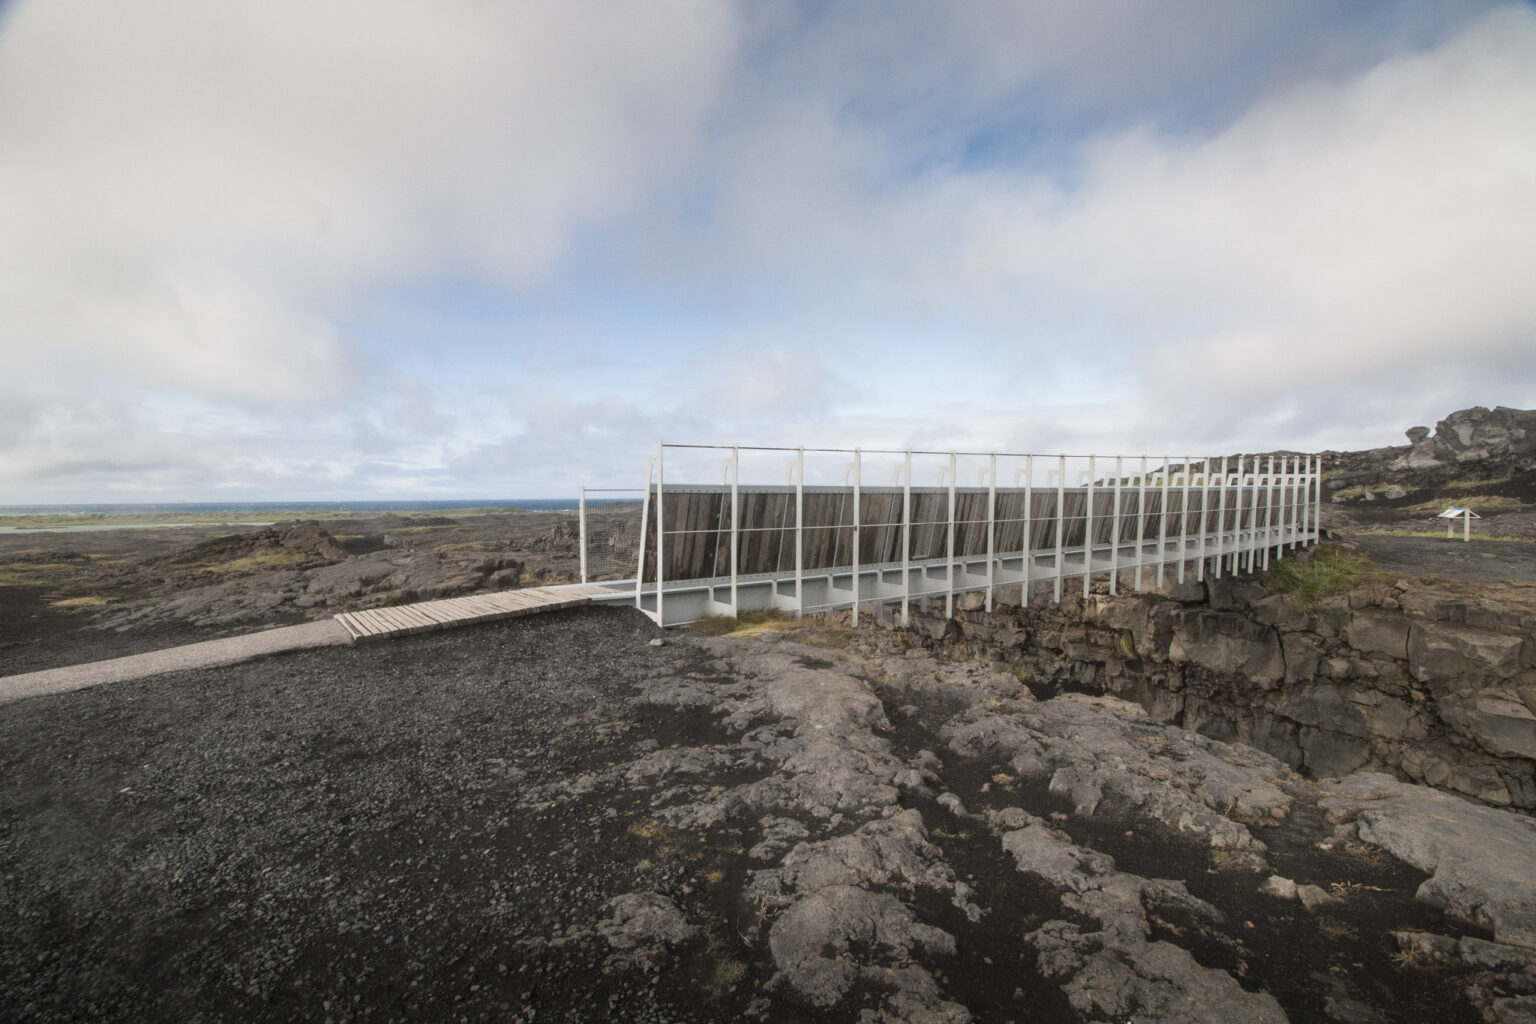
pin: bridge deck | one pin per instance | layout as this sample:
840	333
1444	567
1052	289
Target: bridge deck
448	613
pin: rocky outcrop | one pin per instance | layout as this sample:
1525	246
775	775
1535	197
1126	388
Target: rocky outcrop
299	544
1435	683
1435	832
1501	438
1480	442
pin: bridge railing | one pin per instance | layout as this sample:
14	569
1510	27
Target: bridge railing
727	529
608	532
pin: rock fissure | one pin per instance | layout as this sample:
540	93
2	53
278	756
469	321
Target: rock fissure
1387	676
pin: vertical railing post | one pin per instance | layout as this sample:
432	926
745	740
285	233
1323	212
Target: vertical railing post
660	532
1205	513
645	511
1241	543
858	486
1304	501
1141	520
1277	535
1088	529
991	526
1253	516
1317	510
735	525
1306	504
581	527
1256	560
1184	522
1237	525
1296	478
1029	498
1221	518
1269	512
1162	526
1114	534
949	598
1061	516
799	531
906	541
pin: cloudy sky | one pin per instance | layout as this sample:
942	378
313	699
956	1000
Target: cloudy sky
451	248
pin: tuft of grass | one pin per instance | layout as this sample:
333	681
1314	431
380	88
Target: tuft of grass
75	604
770	620
725	975
756	623
1472	483
811	629
1482	504
1331	570
279	559
33	574
718	625
1434	534
1337	930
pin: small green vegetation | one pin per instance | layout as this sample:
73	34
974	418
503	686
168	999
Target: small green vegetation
75	604
279	559
1330	571
1473	483
810	629
34	574
1482	504
725	975
1434	534
1337	930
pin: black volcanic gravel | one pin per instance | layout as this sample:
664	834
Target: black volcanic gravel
330	835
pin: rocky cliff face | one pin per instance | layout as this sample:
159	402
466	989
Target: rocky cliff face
1476	441
1501	438
1434	682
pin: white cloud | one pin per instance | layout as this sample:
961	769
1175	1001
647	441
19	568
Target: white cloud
208	189
994	225
1340	237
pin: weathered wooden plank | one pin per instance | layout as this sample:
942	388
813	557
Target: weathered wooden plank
418	616
375	625
435	612
390	619
472	604
413	619
512	600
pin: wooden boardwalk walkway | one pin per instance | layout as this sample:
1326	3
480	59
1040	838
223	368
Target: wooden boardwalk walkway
447	613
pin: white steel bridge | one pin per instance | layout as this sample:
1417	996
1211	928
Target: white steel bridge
803	530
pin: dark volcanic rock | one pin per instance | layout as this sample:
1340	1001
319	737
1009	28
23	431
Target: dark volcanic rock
551	820
301	543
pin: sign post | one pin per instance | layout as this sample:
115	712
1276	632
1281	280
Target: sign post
1466	516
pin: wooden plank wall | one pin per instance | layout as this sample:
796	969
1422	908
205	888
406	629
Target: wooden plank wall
698	525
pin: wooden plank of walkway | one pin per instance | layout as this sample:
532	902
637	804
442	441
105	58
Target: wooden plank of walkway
446	613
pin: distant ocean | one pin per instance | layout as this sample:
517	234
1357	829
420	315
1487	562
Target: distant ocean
269	509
